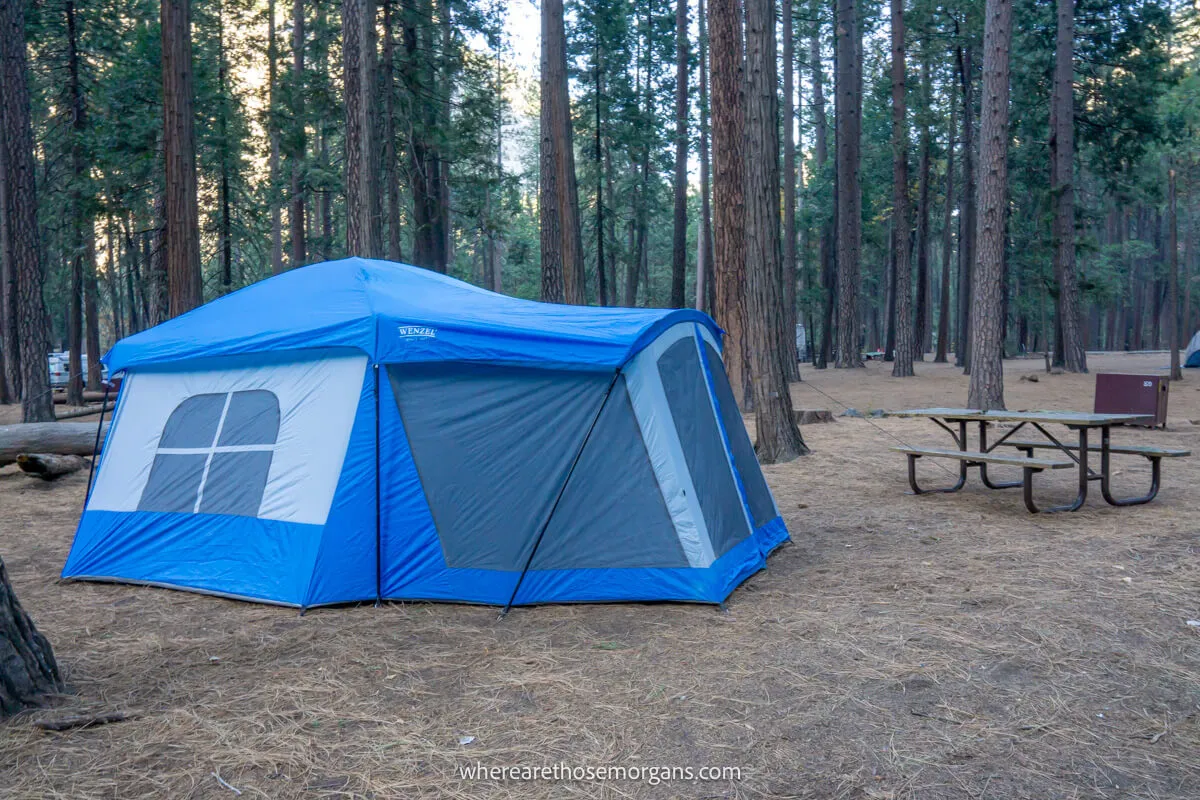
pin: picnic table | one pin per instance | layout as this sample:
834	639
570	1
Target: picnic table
1069	454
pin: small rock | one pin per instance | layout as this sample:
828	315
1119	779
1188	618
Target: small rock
802	505
465	740
851	412
1030	378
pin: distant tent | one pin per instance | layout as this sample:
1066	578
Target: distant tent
359	429
1191	358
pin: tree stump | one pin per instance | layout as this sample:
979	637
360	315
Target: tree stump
810	416
28	670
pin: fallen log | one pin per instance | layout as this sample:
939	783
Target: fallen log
50	466
84	412
60	398
62	438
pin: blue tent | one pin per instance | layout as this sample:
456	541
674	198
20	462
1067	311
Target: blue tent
360	430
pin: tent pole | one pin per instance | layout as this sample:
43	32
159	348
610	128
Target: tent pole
378	532
96	444
542	532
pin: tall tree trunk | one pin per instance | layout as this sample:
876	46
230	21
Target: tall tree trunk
24	246
28	671
225	227
967	218
1062	172
602	286
298	144
778	437
562	243
91	307
1173	337
357	63
923	316
824	349
902	367
184	287
391	170
704	247
987	369
943	335
729	264
790	265
679	238
849	192
273	188
10	360
80	213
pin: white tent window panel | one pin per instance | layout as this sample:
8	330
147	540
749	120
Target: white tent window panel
249	435
214	455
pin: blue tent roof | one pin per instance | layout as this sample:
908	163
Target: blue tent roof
396	313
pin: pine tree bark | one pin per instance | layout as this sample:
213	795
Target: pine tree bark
391	170
704	245
28	671
81	217
1173	334
943	334
778	437
922	314
968	216
790	272
24	245
357	62
225	221
273	187
987	369
902	366
298	144
823	352
558	198
679	233
728	118
849	191
1062	154
9	371
184	287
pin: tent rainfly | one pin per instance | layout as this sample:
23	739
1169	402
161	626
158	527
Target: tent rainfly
361	430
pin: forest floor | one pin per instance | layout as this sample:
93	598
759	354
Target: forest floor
947	646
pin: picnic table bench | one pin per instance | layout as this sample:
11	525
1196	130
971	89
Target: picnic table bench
1077	452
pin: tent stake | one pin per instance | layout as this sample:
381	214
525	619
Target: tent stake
561	489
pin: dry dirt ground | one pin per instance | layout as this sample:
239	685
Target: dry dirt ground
902	647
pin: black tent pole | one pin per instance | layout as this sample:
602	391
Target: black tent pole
561	489
96	444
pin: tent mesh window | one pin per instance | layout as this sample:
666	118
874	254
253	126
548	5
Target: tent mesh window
214	455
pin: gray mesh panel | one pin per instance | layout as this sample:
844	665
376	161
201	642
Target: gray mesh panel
703	449
761	506
492	446
252	418
235	483
174	483
612	513
194	422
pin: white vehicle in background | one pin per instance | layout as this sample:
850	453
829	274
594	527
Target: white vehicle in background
60	369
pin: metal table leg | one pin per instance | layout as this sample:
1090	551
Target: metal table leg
916	489
1080	499
983	473
1105	475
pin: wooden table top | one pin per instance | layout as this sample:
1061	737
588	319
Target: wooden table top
1072	418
